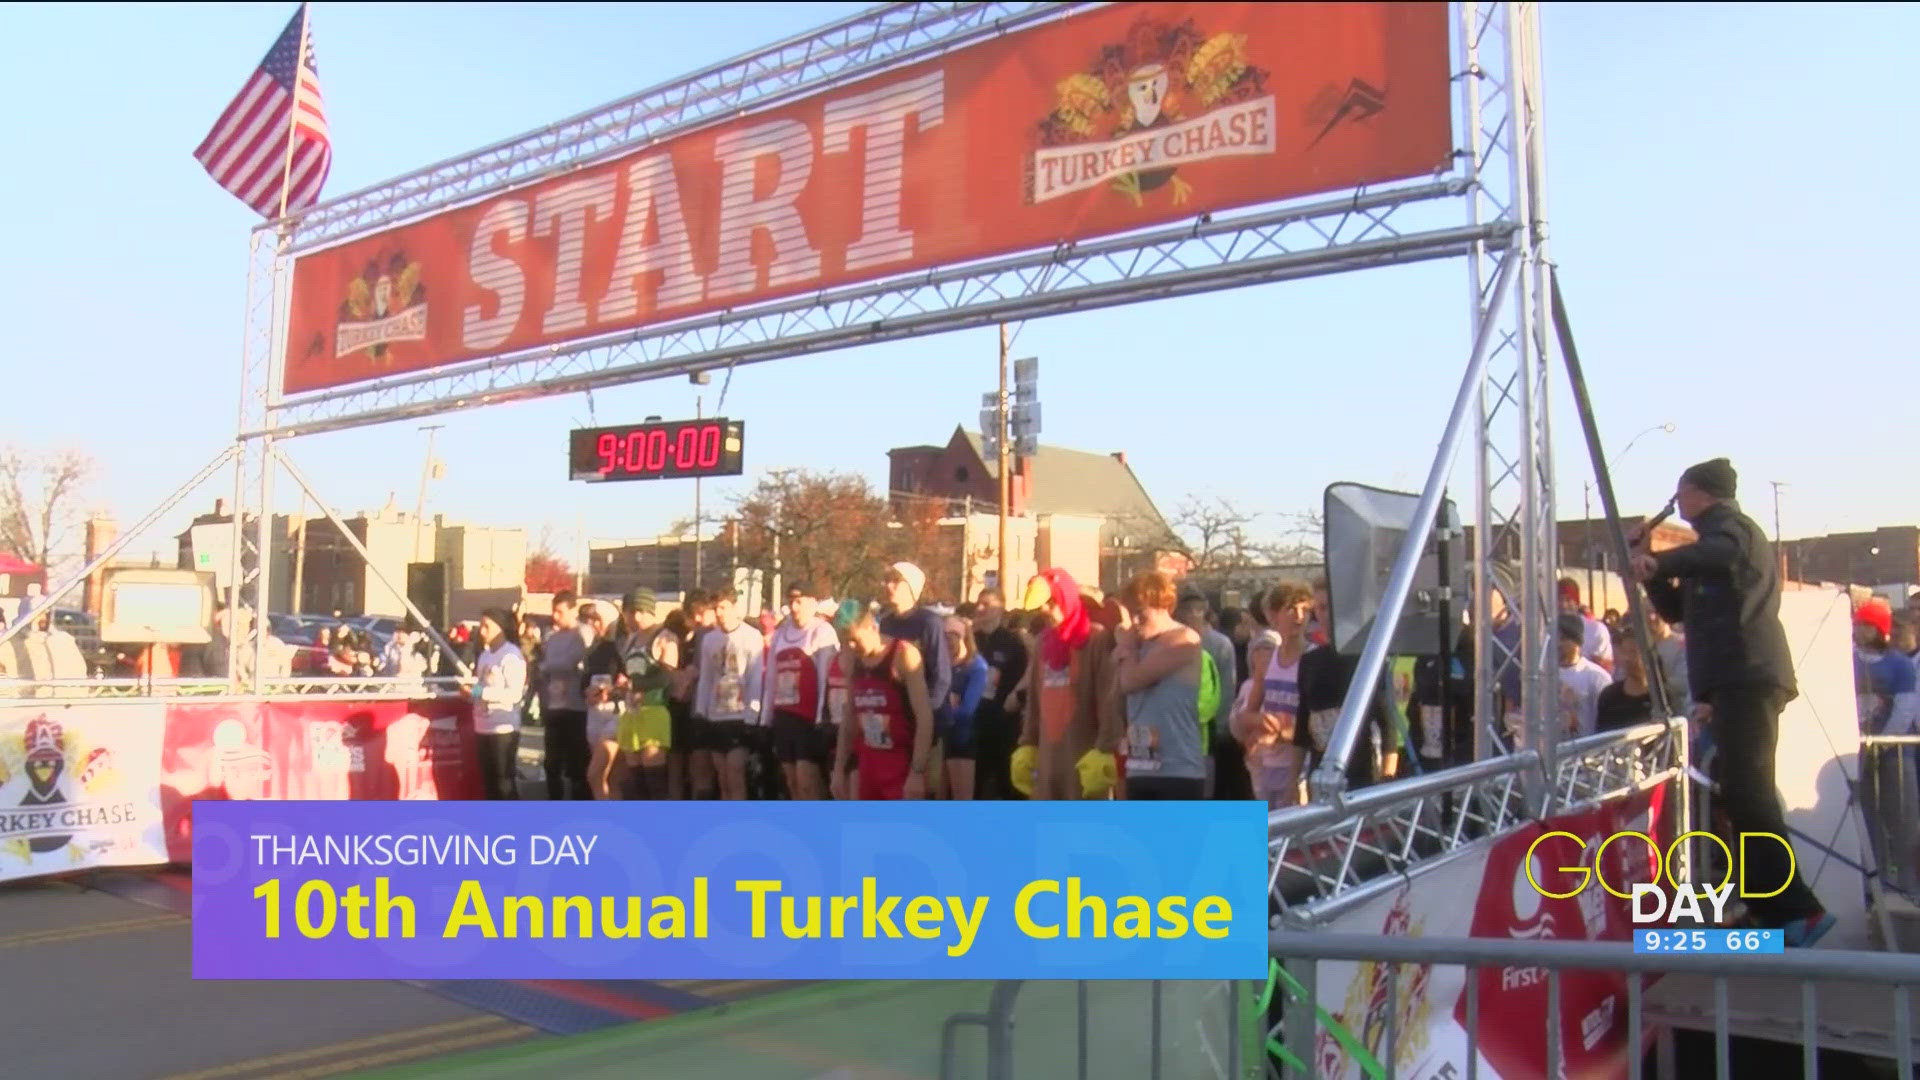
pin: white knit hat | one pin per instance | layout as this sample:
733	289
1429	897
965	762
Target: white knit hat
915	578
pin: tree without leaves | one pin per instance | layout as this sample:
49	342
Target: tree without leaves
1300	544
1213	533
39	502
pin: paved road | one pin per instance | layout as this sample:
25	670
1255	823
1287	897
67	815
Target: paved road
100	986
96	982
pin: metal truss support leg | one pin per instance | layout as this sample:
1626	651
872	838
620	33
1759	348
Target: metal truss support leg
360	549
264	550
120	543
1329	782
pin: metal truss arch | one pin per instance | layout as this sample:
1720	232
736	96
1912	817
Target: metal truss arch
1349	233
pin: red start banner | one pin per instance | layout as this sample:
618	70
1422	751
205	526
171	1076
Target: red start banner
1104	121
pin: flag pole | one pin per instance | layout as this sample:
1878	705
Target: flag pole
293	113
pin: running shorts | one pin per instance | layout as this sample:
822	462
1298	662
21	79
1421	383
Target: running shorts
796	739
959	740
681	726
883	774
646	724
603	725
722	736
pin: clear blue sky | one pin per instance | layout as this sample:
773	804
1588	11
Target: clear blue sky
1728	201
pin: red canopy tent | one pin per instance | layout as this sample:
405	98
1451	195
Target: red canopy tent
10	564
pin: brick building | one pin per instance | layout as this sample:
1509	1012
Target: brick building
1886	556
451	571
1090	514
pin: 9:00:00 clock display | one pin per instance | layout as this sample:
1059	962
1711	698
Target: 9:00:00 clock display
657	450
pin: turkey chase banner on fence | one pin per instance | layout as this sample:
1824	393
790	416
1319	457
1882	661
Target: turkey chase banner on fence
1429	1010
80	787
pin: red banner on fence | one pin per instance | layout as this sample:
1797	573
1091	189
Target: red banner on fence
1429	1010
313	750
1124	116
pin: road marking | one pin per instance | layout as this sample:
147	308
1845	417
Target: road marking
76	933
490	1025
409	1053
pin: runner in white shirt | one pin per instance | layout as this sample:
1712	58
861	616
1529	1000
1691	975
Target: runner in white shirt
1596	641
1581	681
732	663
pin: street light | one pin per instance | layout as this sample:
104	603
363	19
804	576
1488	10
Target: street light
1588	502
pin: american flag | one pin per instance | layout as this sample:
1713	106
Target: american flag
246	152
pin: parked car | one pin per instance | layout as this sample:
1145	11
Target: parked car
86	634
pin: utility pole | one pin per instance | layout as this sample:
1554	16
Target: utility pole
586	553
1006	480
1587	527
300	559
775	597
966	549
1779	540
699	413
426	474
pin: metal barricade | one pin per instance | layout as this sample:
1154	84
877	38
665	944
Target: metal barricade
1830	1011
278	688
1046	1030
1890	801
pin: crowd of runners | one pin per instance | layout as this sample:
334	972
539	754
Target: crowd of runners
1148	694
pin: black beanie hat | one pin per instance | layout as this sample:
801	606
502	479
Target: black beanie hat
1715	477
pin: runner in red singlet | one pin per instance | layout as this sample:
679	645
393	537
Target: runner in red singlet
888	732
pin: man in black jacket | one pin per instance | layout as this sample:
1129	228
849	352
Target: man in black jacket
1725	589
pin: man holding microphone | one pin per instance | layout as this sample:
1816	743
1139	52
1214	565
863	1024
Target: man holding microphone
1725	589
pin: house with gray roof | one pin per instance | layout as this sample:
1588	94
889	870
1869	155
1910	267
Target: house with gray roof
1053	482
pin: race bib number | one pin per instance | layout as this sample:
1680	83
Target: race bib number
1431	743
786	689
557	686
1321	725
729	695
1143	748
1056	678
837	703
875	731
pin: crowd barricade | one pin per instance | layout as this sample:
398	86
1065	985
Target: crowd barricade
1890	798
111	781
1855	1002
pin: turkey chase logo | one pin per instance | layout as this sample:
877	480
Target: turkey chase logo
1167	97
385	304
56	793
1380	995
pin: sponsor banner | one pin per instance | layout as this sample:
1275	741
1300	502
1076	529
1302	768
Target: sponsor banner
1101	122
381	749
79	787
730	890
1429	1011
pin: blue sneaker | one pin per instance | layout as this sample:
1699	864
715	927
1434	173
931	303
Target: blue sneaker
1804	933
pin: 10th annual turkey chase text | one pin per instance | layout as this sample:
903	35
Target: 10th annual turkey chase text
1042	909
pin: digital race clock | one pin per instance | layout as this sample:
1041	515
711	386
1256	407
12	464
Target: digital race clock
657	451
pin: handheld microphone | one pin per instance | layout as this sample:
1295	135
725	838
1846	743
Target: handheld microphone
1641	534
1663	515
